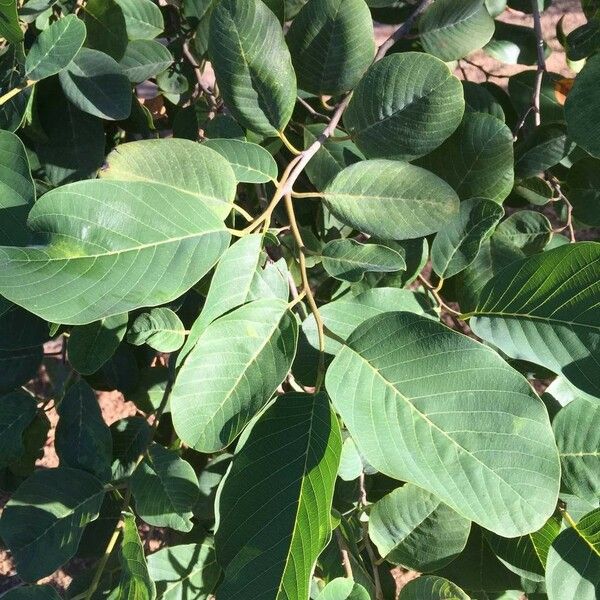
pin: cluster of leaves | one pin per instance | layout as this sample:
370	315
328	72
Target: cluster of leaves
299	330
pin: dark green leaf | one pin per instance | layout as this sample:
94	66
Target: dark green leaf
32	592
131	437
527	230
9	21
144	59
106	29
17	411
584	190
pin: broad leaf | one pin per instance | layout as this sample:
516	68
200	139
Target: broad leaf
185	571
456	246
106	28
250	162
573	569
165	489
95	83
450	414
349	260
405	106
513	44
17	411
543	309
212	399
430	587
9	21
584	190
343	589
32	592
186	167
274	505
83	439
54	48
578	439
144	59
115	233
477	160
44	519
252	64
332	44
90	346
391	200
413	528
131	437
143	19
160	328
451	30
527	230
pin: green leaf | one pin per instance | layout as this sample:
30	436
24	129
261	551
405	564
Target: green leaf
106	29
96	84
584	190
112	232
185	571
451	30
44	519
17	191
9	21
332	45
513	44
144	59
160	328
413	528
331	158
351	464
479	99
135	583
527	230
391	200
349	260
17	411
543	309
90	346
430	587
404	107
131	437
250	162
450	415
143	19
83	439
573	569
343	589
578	440
582	106
32	592
212	399
12	74
186	167
54	48
456	246
165	489
274	505
252	64
150	390
477	160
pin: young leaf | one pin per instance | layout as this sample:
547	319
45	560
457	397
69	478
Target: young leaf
430	587
90	346
17	411
252	64
250	162
143	19
456	246
184	166
349	260
144	59
184	571
332	44
543	309
391	200
413	528
135	583
212	399
44	519
95	83
577	432
112	232
343	589
274	505
451	30
431	387
55	48
165	489
405	106
160	328
83	439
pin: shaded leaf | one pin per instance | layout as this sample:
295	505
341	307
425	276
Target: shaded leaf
144	59
106	29
9	21
143	19
584	190
131	437
17	411
32	592
527	230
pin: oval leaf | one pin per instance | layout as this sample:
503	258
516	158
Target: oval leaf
144	59
430	587
160	328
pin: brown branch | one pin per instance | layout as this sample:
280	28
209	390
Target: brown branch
541	60
345	554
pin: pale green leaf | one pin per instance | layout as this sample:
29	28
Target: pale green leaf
351	464
544	309
44	519
143	19
116	233
274	504
160	328
404	107
253	65
430	587
391	200
184	166
343	589
213	399
144	59
451	418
